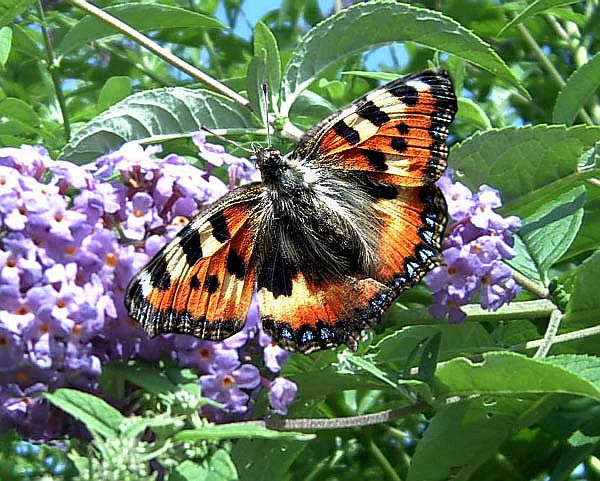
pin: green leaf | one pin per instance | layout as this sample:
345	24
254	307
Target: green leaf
456	340
9	9
471	113
579	448
265	460
580	87
549	232
462	435
255	77
429	357
188	471
523	262
5	43
97	415
370	368
17	109
155	116
265	41
585	301
584	366
312	106
318	384
114	89
538	6
588	238
531	166
144	375
237	430
219	467
385	76
503	373
150	17
23	41
367	25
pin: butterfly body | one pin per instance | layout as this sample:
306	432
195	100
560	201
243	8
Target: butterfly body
333	232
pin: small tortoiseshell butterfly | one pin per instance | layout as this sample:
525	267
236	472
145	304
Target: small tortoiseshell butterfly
333	233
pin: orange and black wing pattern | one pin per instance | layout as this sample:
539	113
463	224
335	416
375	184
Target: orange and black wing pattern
332	234
389	148
396	133
202	282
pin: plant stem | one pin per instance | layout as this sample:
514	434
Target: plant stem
210	46
569	336
594	182
513	311
552	70
160	51
53	69
319	424
383	461
572	36
550	334
538	289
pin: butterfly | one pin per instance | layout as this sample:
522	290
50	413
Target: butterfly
332	234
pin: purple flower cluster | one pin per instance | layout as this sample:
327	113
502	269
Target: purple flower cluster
476	243
71	238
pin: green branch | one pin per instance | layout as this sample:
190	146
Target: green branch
549	66
550	335
383	461
320	424
514	311
160	51
53	70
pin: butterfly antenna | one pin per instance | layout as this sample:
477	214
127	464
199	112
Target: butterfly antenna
266	97
239	146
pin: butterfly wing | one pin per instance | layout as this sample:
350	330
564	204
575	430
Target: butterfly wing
387	149
396	133
201	283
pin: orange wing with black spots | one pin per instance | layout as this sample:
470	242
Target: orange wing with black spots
389	147
324	315
397	131
202	282
331	235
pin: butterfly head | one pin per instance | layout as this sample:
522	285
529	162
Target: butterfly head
270	162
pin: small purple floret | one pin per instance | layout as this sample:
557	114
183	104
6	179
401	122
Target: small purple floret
477	242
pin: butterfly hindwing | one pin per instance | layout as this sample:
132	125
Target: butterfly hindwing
321	315
201	283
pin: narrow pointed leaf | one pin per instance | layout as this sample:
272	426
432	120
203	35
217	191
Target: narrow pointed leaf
95	413
150	17
5	44
579	89
264	40
538	6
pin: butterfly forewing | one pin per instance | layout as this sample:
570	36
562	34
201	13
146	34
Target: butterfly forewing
201	283
398	131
